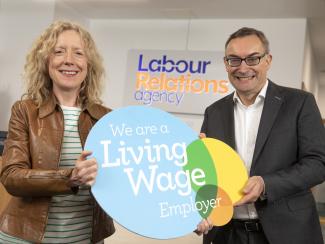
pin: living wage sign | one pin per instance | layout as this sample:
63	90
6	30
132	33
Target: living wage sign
172	80
156	178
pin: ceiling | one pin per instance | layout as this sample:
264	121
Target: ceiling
313	10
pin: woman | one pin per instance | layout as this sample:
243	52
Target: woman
44	167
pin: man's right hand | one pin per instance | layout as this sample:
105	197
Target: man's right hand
203	227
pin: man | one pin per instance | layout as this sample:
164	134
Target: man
279	135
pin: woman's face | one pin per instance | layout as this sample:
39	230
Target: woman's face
68	63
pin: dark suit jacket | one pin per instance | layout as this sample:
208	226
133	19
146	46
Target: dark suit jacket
289	155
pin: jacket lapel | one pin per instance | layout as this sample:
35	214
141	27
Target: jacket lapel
272	105
48	106
229	124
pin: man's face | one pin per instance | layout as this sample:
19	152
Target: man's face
247	80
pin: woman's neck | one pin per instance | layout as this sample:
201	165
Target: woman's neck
68	99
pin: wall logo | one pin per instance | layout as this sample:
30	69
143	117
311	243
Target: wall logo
166	79
153	169
172	79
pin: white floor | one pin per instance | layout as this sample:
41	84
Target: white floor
123	236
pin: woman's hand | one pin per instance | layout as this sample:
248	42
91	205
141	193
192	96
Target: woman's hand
202	135
85	171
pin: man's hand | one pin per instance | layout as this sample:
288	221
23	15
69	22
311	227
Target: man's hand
203	227
85	171
252	190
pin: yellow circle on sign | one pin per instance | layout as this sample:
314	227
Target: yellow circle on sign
231	172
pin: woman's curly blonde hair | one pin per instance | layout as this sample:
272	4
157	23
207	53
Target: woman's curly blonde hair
38	81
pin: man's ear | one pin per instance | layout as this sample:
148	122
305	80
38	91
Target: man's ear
269	60
226	64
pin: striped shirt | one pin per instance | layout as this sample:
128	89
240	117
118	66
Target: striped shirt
70	216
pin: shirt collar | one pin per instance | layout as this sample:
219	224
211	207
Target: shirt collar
260	96
51	103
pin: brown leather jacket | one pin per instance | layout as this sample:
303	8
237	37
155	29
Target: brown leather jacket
30	168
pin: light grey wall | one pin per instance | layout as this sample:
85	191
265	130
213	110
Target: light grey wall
21	22
64	12
321	100
116	37
310	74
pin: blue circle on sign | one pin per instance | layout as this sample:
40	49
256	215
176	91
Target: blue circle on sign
141	183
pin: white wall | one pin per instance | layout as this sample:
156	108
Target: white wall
21	23
286	36
321	100
310	74
116	37
64	12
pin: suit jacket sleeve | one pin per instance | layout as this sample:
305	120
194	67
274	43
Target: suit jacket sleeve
309	169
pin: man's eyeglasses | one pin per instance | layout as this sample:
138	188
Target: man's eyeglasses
250	61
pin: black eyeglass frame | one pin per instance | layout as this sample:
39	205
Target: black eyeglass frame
244	59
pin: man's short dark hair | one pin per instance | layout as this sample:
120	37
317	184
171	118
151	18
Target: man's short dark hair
246	31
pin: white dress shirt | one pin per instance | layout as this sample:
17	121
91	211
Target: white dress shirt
247	120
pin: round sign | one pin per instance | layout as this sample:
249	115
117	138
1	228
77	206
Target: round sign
156	178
